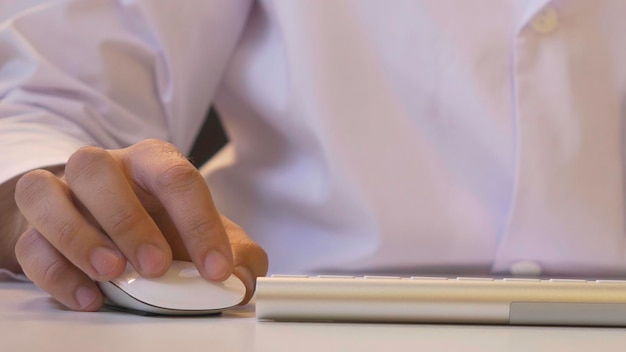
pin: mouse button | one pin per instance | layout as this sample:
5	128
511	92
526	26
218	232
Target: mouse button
221	294
176	292
127	279
189	273
180	270
129	274
234	284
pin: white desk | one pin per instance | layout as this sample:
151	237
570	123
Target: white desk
31	321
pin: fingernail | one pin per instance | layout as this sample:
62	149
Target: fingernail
151	259
104	260
85	296
216	266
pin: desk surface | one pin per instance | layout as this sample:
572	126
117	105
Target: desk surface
31	321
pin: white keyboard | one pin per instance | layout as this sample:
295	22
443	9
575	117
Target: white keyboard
467	300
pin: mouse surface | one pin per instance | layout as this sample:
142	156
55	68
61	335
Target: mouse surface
180	291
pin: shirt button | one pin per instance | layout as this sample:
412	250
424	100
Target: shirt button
546	21
525	268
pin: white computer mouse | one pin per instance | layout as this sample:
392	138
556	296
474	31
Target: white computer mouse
180	291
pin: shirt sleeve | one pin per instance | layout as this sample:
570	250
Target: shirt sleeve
6	275
108	73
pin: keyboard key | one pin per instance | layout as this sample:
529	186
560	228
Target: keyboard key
334	277
381	277
520	279
569	281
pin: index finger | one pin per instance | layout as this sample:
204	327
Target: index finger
160	169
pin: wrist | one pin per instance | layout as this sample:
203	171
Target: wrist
11	228
12	225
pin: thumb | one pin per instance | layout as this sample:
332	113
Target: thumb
250	259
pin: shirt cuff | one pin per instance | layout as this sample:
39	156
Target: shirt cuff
28	146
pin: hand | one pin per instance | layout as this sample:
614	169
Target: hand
145	204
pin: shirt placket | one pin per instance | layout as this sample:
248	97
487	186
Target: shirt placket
566	214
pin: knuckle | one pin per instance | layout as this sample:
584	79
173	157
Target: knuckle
30	188
202	231
26	244
232	228
149	143
40	268
250	250
53	272
87	162
67	233
176	174
159	147
164	147
123	220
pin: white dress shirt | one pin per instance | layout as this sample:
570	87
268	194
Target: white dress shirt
366	135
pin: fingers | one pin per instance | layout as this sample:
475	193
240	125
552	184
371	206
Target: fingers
161	170
99	183
46	203
143	203
250	259
52	272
